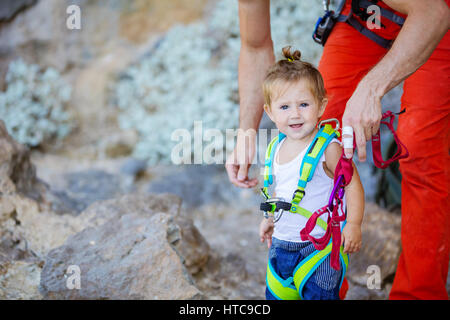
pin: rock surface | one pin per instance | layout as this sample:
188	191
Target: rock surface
380	250
132	247
197	185
26	221
129	258
381	245
135	246
17	173
40	34
10	8
19	280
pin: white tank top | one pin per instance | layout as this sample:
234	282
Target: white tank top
317	194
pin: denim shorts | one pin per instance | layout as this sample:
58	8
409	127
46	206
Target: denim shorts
323	283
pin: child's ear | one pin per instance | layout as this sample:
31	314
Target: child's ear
323	106
268	111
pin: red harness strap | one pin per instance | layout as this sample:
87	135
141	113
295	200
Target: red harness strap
342	177
376	144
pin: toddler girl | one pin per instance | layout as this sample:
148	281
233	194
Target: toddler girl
295	99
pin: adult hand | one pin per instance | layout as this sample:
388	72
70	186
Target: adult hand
239	161
363	114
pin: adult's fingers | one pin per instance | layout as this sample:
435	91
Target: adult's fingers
232	171
375	128
232	167
250	183
347	138
360	142
243	171
368	133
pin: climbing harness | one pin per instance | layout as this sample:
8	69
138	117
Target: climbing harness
292	287
330	242
275	206
358	8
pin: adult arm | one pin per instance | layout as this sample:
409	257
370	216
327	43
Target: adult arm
426	23
255	57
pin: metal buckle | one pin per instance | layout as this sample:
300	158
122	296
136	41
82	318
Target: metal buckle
321	123
276	216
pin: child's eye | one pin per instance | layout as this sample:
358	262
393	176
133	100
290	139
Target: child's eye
304	105
284	107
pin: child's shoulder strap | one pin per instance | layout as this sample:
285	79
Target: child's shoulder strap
270	153
312	157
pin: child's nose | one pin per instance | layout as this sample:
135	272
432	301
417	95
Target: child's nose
295	112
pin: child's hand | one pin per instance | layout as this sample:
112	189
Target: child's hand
266	230
351	237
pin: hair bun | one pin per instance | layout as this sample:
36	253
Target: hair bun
291	56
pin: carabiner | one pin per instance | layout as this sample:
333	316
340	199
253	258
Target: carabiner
276	216
337	193
321	123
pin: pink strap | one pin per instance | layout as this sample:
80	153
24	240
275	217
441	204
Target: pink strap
333	231
376	144
344	168
322	242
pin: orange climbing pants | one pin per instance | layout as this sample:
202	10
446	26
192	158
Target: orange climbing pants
424	128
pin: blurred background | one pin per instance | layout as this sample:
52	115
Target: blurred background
90	94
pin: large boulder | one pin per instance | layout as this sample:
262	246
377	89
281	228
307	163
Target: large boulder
133	247
193	248
128	258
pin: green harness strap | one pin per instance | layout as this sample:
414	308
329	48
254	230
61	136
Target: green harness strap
292	288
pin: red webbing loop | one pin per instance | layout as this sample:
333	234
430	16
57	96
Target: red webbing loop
376	144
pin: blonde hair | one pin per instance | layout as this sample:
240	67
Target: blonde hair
292	69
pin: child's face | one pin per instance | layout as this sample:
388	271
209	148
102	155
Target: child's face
296	111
